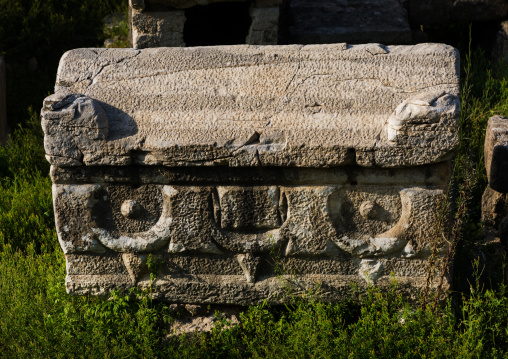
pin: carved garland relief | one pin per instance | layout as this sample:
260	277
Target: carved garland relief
297	221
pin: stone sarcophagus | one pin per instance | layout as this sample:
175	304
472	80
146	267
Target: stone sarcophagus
243	170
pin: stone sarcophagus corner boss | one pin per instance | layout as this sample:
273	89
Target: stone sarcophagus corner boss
228	163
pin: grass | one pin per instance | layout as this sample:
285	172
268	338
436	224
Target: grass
38	318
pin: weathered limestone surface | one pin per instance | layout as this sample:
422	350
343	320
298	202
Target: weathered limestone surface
243	106
352	21
3	103
244	170
157	28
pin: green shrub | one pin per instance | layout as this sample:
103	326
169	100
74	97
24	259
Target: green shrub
44	30
26	210
118	30
39	320
378	325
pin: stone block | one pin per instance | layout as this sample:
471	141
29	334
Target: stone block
3	103
157	28
433	12
496	153
494	207
244	106
494	200
264	28
247	170
358	21
500	48
154	26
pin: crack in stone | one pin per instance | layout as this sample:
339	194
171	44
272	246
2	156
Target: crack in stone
293	78
204	160
189	69
94	77
88	69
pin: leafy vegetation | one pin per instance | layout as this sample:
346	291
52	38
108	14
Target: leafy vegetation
116	29
34	34
38	318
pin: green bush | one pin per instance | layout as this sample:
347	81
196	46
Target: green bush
39	320
118	30
26	210
44	30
